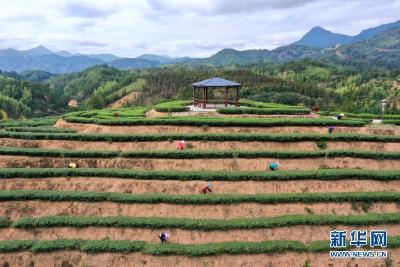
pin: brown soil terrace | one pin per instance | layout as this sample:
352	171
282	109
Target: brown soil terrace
198	145
17	209
294	259
163	129
303	233
129	98
193	187
231	164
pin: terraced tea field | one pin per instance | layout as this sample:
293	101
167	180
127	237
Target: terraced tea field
131	183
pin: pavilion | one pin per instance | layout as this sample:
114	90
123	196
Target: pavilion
213	83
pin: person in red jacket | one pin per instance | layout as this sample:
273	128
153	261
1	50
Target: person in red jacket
207	189
181	145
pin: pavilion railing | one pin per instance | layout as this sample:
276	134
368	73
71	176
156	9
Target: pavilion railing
211	102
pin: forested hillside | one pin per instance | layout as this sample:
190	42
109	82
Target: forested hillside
308	83
381	51
305	82
96	87
20	98
46	94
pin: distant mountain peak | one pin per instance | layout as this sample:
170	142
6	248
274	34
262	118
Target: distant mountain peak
318	29
321	38
163	59
38	50
228	50
41	47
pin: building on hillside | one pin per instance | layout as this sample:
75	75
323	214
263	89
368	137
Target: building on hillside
215	83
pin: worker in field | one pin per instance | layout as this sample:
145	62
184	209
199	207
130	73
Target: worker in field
207	189
181	145
331	129
72	165
274	166
164	236
340	116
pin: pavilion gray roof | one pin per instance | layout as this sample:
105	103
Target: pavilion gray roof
216	82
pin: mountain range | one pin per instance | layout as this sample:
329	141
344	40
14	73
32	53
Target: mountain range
381	43
321	38
41	58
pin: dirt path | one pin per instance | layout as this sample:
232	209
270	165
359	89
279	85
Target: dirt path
127	99
154	129
239	164
193	187
301	233
18	209
198	145
293	259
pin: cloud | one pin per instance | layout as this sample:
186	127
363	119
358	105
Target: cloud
87	43
141	45
84	10
25	18
83	25
222	7
12	42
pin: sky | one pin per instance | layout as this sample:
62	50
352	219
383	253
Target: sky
196	28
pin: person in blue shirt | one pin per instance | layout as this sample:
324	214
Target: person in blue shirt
274	166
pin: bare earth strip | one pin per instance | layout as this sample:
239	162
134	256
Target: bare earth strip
198	145
294	259
193	187
303	233
32	208
127	99
163	129
229	164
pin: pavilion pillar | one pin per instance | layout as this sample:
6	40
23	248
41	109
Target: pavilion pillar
194	101
237	96
204	97
226	96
